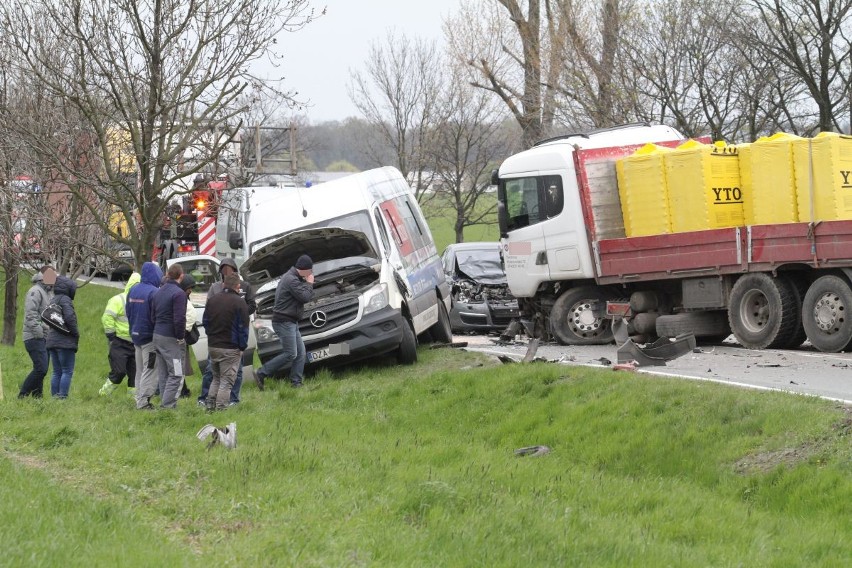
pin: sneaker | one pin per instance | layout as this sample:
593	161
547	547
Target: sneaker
233	403
148	406
108	387
297	385
202	404
259	378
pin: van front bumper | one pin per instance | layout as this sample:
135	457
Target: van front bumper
375	334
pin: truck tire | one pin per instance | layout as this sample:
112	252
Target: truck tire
799	287
573	321
407	352
827	314
762	311
441	331
701	324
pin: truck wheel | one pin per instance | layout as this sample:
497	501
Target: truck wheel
799	287
407	352
701	324
762	311
827	314
574	321
441	330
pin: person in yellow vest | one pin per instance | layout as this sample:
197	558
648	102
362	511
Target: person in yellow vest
122	355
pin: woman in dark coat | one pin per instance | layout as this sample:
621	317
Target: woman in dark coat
62	347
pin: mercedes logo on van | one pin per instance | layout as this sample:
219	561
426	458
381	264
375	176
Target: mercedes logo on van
318	318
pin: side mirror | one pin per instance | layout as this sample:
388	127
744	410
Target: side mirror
495	177
502	219
235	240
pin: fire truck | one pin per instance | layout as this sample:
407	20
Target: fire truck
189	225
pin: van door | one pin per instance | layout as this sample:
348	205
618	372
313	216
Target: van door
412	261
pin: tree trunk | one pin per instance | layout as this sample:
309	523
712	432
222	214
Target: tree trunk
10	305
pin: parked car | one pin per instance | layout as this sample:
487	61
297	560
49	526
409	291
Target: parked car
205	271
480	295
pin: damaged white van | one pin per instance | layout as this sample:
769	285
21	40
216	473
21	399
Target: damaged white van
379	283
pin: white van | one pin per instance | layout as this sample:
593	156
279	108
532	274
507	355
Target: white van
379	282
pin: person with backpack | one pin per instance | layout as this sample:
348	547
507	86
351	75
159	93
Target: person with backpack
62	342
35	331
121	354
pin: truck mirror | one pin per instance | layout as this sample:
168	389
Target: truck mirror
502	219
235	240
495	177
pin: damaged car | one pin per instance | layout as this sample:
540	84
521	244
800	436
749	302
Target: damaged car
481	301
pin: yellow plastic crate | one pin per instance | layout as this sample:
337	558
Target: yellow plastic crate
768	180
704	186
643	193
823	180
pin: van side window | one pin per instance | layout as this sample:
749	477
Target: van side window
383	231
409	219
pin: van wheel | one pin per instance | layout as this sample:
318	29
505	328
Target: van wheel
407	352
441	331
763	311
577	317
827	314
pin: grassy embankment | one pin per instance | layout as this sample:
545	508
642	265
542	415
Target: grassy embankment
388	466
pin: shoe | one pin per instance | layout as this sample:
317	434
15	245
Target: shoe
108	387
259	378
148	406
202	404
297	385
233	403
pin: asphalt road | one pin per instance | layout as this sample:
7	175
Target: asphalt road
804	371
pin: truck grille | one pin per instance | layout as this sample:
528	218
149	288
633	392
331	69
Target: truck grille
322	317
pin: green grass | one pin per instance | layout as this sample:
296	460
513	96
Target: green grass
387	466
441	221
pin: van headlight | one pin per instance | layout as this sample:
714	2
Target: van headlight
375	298
263	331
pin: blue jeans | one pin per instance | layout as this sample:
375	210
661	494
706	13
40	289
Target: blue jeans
63	369
34	383
292	352
207	380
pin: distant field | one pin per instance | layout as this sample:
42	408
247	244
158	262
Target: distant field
441	219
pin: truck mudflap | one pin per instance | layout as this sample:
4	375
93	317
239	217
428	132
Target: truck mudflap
654	354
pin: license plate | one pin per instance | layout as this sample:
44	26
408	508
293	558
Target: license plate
125	254
319	354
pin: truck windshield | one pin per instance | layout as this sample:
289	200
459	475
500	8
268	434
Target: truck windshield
531	200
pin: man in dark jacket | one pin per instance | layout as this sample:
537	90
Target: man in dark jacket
226	320
294	290
227	266
140	318
169	308
35	331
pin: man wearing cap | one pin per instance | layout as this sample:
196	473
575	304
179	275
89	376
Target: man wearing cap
226	320
121	354
295	289
246	291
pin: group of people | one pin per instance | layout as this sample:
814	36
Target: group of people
146	327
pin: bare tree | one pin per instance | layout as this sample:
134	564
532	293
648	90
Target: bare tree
469	142
813	40
165	81
513	51
397	94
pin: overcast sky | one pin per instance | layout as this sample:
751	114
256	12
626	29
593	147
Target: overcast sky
318	58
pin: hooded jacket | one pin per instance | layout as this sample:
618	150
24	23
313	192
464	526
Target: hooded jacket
37	299
246	290
140	314
63	295
114	318
169	310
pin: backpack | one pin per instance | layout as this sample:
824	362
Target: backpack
193	335
52	316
